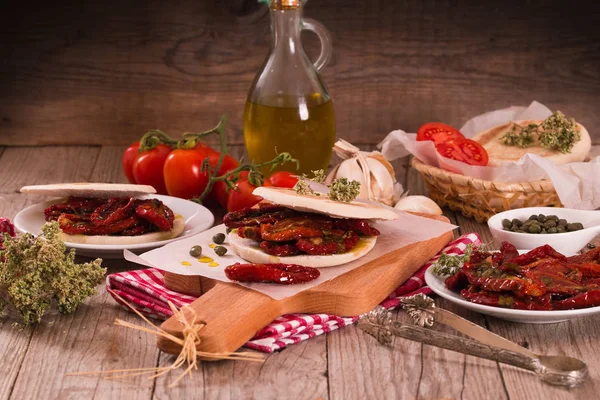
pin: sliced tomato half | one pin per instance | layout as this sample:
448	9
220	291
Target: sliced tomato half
475	153
465	150
451	150
438	133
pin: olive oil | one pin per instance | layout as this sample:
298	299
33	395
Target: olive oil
305	129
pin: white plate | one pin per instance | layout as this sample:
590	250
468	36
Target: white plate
197	219
523	316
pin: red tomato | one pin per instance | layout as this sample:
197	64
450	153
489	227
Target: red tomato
438	133
465	150
241	196
450	150
148	167
182	172
283	179
128	157
219	191
474	152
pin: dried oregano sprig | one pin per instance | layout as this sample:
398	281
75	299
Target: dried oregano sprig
447	265
520	136
35	272
557	132
340	189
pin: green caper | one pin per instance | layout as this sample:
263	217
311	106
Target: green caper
228	230
562	222
542	218
550	224
535	228
571	227
552	230
533	217
552	217
516	222
196	251
219	238
560	229
221	250
506	223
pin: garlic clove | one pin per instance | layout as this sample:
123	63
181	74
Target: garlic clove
352	170
420	204
382	183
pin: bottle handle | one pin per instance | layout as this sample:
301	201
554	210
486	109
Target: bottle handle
324	36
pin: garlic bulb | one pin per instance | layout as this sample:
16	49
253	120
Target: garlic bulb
420	204
374	173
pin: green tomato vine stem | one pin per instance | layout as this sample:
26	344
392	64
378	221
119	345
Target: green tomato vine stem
190	140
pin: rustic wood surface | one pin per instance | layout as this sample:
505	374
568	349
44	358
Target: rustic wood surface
341	365
77	72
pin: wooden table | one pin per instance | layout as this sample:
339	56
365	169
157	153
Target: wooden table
340	365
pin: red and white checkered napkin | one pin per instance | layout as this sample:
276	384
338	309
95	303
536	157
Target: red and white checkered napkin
145	290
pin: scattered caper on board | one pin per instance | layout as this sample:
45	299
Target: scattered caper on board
196	251
228	230
219	238
220	250
540	223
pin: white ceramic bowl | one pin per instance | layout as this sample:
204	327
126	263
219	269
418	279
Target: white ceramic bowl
566	243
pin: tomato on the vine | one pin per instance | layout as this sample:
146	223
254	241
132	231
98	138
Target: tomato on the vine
283	179
128	157
148	167
219	192
183	172
241	196
438	133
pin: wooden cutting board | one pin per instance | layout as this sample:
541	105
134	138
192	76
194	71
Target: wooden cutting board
234	314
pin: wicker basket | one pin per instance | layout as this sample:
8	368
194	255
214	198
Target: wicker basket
479	199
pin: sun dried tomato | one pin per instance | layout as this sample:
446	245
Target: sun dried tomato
457	282
526	286
284	274
335	243
506	300
154	211
545	251
115	209
279	249
583	300
590	256
360	226
507	252
295	228
73	224
253	216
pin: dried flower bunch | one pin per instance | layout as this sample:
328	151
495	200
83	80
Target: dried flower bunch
35	271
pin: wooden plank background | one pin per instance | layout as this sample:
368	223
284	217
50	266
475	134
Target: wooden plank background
105	72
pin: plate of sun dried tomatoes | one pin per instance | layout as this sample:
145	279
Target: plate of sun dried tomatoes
539	286
105	227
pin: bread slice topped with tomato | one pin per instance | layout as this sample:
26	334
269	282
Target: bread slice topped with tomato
108	214
304	229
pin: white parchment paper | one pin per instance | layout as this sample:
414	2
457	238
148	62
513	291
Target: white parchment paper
406	230
577	184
